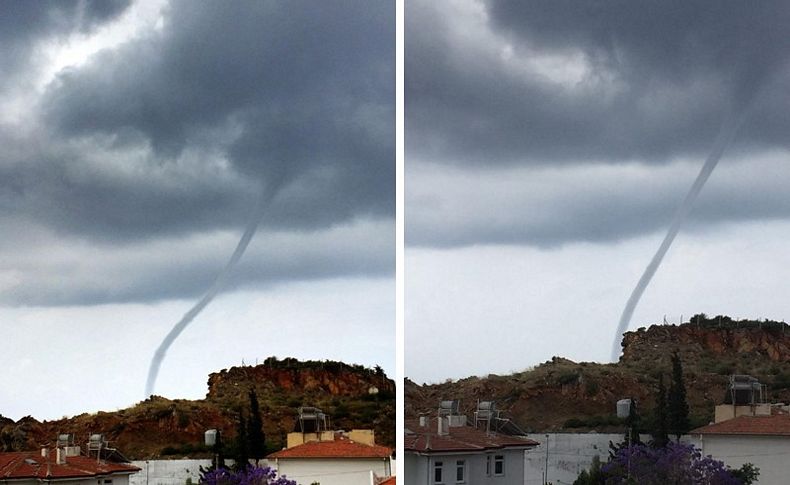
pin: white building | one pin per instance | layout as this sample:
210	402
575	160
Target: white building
447	451
34	468
335	459
761	440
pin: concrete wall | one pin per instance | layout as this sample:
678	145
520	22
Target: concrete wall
171	472
569	454
352	471
771	454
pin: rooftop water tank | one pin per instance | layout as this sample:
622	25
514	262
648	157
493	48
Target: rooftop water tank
623	408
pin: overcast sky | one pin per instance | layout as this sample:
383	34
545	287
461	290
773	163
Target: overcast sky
548	145
136	138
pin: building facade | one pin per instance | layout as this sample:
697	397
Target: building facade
335	459
763	441
34	468
442	451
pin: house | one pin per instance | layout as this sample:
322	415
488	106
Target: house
46	466
316	454
339	461
446	450
763	440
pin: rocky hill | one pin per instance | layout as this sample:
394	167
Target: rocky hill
564	395
353	396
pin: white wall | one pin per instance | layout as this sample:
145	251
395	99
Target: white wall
167	472
771	454
171	472
415	469
337	471
116	480
569	454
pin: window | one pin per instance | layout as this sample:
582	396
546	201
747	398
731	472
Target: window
499	465
460	471
488	465
437	472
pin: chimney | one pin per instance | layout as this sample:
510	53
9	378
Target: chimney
443	426
60	456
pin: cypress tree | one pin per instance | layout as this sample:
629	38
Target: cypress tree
660	431
633	421
677	406
255	437
241	456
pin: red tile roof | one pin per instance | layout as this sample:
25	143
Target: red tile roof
774	425
424	439
341	447
30	464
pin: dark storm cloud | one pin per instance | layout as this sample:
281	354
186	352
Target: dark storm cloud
21	19
168	138
658	78
56	186
297	95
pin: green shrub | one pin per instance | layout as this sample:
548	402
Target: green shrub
591	388
574	423
567	378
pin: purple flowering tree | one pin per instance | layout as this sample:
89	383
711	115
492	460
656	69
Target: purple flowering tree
252	475
677	463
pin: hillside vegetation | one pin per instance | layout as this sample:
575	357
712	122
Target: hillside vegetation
161	427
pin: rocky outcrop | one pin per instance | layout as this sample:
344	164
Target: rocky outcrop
771	342
290	375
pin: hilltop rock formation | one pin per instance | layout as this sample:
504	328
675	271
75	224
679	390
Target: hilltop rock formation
290	375
764	340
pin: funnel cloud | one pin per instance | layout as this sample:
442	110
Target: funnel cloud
216	287
725	137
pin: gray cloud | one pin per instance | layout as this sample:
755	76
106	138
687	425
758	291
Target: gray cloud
551	82
74	272
600	204
297	91
23	25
